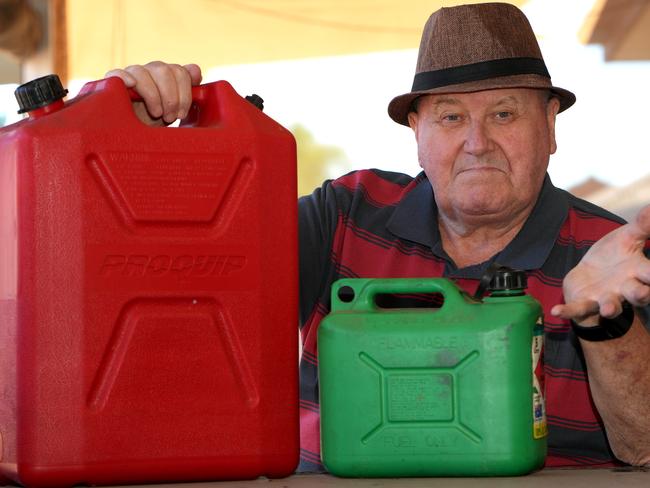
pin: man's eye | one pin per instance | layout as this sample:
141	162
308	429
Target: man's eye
451	118
503	115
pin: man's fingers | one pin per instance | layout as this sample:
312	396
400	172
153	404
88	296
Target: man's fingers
609	305
184	84
558	311
164	76
195	73
147	89
577	311
635	292
613	270
188	75
126	77
166	89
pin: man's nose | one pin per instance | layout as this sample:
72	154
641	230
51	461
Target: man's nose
477	138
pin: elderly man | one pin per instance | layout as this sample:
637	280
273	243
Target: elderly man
483	111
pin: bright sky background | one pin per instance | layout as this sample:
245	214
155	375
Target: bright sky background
342	100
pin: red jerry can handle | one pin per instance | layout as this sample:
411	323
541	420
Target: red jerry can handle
213	103
198	93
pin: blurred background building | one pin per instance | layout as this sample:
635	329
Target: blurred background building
327	69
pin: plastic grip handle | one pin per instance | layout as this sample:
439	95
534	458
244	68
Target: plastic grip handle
198	94
366	290
213	104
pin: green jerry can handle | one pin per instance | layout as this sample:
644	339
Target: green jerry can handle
359	294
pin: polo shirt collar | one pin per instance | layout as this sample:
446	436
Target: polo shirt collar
416	219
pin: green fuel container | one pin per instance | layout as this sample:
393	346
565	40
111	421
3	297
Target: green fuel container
449	391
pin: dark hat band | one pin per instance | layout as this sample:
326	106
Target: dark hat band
479	71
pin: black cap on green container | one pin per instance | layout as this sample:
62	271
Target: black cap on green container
39	93
508	279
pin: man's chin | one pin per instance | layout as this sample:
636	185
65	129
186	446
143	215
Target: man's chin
487	209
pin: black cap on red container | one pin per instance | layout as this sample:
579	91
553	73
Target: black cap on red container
39	93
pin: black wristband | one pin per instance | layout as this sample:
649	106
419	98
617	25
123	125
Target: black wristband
607	328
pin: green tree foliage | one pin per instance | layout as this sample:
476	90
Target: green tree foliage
316	162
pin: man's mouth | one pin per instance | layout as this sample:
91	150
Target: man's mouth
480	169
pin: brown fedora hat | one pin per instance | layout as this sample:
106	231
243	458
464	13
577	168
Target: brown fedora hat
477	47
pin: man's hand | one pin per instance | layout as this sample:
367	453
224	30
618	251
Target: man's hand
166	89
613	270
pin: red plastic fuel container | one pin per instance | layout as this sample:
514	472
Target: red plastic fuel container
148	291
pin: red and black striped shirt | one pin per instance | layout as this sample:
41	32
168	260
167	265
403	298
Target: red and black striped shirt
378	224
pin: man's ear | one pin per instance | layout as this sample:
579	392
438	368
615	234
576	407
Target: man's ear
552	108
413	123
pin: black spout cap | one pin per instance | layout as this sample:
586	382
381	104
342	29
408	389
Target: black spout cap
256	100
506	278
39	93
